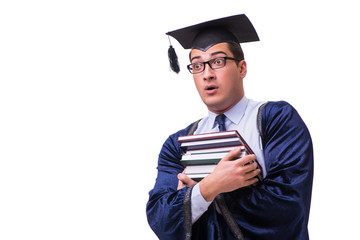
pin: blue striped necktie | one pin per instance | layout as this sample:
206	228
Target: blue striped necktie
220	119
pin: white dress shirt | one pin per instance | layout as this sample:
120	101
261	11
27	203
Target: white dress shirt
243	118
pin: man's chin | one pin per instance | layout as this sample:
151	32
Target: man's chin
216	108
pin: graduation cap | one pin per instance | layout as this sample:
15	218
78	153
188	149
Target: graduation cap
202	36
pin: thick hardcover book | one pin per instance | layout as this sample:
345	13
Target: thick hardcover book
207	157
211	143
206	136
203	151
213	140
194	169
197	176
211	150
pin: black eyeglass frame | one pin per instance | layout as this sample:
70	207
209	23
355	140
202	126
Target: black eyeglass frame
208	62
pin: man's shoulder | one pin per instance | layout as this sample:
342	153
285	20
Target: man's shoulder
185	131
276	108
277	105
280	113
172	143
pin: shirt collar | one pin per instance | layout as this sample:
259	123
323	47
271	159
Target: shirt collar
234	114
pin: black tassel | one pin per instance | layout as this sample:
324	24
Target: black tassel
173	59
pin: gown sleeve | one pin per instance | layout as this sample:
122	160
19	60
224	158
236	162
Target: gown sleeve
278	207
165	206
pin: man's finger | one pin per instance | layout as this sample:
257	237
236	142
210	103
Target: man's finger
232	154
248	159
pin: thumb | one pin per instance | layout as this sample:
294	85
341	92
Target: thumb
186	180
182	177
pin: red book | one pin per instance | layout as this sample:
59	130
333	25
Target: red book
213	140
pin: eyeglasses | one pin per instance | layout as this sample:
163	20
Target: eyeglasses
215	63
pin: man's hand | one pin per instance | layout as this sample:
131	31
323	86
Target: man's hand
185	181
230	175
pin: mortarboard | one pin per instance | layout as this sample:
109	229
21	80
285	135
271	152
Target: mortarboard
202	36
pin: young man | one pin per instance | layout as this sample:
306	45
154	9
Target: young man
231	202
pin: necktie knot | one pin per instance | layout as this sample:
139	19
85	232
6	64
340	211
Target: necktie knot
220	120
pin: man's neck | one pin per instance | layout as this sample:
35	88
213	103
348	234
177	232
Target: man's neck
221	111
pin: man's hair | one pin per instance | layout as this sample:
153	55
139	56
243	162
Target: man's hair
236	50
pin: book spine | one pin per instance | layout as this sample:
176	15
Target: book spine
207	136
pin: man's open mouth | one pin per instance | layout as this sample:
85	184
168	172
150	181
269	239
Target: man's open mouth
210	87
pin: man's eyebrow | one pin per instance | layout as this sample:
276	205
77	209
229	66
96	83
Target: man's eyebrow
212	54
218	52
196	57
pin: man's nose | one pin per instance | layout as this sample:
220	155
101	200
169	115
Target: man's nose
208	73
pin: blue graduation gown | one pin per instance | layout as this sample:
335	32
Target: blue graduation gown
276	208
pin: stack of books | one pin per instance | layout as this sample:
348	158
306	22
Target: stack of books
202	152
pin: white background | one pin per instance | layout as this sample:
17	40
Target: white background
87	99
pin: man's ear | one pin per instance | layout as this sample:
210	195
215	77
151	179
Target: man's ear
242	68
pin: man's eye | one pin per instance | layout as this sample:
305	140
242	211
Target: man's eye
219	61
197	66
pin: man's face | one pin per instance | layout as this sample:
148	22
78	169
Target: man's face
220	89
